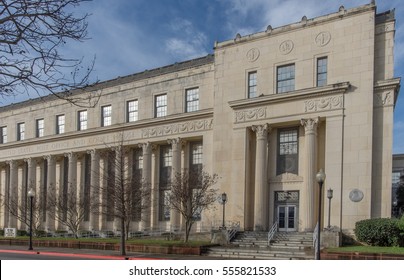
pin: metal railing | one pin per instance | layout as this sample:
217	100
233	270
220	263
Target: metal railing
272	231
315	236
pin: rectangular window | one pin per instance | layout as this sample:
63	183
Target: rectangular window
20	131
287	161
166	157
192	100
160	106
60	124
196	176
3	135
106	115
321	71
252	84
285	78
82	120
40	127
132	111
137	170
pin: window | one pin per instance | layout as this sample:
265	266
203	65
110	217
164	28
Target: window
321	71
166	156
160	106
106	115
132	111
82	123
252	84
40	127
20	131
196	177
192	100
287	151
60	124
3	135
285	78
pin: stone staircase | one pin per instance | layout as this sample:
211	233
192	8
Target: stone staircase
254	245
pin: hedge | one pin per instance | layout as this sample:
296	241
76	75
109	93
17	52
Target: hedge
380	232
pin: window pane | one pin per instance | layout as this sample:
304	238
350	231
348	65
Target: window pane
192	100
60	125
252	84
40	124
132	111
286	78
3	135
161	105
287	151
106	115
82	120
322	71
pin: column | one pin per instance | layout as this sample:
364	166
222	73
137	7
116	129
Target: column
310	139
146	174
176	145
13	195
51	189
260	195
94	189
31	174
154	189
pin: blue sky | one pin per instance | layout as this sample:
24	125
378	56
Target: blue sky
129	36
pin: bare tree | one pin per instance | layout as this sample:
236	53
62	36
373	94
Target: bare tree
20	209
31	38
192	192
125	194
68	208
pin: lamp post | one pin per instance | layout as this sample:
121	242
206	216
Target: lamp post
320	177
31	194
329	196
224	200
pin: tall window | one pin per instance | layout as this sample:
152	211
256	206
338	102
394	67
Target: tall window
287	151
60	124
285	78
3	135
40	127
192	100
160	106
166	156
196	169
106	115
20	131
82	120
137	170
321	71
252	84
132	111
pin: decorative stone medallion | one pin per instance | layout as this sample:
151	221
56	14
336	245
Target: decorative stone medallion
286	47
356	195
323	38
253	54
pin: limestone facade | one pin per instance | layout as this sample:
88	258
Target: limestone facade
265	112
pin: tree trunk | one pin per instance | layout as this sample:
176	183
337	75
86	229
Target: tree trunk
123	249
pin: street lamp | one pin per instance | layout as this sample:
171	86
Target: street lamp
224	200
329	196
31	194
320	177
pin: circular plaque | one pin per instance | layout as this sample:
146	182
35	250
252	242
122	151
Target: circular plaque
356	195
286	47
253	54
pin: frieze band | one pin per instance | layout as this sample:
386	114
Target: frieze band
190	126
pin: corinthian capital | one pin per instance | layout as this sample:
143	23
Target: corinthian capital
310	125
261	130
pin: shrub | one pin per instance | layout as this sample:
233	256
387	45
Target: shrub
22	233
378	232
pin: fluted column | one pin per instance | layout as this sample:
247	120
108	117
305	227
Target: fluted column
176	145
94	188
146	174
13	194
260	195
310	158
51	189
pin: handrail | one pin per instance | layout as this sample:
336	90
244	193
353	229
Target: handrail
272	231
315	236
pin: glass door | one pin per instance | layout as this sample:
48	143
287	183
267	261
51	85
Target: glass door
287	218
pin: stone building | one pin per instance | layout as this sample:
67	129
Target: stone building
265	112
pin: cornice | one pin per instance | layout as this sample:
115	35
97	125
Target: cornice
337	88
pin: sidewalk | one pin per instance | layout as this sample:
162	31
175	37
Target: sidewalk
98	254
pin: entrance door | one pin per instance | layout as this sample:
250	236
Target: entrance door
287	218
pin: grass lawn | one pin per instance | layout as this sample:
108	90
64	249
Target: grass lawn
368	249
